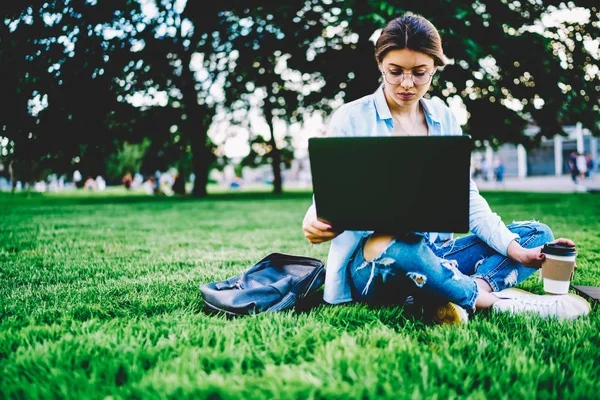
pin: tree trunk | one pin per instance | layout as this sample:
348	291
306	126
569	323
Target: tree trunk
275	152
195	127
201	157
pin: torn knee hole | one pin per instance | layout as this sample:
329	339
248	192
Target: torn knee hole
417	278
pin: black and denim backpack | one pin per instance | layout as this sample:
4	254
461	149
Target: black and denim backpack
277	282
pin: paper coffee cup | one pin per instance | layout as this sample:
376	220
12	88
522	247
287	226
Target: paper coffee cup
558	267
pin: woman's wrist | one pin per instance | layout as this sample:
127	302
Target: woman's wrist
515	251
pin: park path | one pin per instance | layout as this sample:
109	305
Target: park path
541	184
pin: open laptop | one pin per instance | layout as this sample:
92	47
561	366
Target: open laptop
392	184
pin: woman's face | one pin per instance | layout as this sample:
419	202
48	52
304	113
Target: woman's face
417	68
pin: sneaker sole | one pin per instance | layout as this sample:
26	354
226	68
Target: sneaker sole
450	314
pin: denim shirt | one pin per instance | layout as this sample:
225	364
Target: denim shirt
370	116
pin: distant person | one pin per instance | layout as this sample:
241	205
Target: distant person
127	181
499	171
138	180
179	184
151	186
476	169
572	160
236	183
100	183
40	186
166	181
581	162
589	164
450	277
90	183
485	170
77	178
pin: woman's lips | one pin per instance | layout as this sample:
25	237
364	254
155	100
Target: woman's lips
406	96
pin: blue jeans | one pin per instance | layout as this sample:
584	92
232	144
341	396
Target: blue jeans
410	268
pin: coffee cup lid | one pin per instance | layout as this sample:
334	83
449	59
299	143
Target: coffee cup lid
559	250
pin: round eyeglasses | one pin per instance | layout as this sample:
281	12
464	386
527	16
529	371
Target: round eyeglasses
418	78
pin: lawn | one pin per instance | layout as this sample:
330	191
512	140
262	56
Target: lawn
99	299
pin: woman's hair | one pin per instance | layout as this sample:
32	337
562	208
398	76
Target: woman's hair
410	32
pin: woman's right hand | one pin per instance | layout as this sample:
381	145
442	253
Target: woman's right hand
314	230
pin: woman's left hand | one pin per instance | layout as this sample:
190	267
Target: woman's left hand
534	257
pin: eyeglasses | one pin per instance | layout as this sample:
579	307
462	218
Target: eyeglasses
418	78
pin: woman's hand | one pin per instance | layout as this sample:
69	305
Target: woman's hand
534	257
314	230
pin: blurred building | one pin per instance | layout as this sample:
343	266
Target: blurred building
550	158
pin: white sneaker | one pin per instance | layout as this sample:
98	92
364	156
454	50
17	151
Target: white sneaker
566	306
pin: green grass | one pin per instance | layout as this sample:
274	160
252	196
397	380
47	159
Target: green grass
99	298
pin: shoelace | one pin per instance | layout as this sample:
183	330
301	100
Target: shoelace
520	304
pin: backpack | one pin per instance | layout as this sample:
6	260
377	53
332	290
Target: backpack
275	283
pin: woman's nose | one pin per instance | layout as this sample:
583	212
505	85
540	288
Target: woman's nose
407	81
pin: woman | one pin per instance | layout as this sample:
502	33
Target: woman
453	276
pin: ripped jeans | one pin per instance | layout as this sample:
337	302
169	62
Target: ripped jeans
410	269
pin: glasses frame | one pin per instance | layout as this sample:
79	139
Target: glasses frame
412	78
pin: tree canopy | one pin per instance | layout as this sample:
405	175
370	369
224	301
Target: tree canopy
72	70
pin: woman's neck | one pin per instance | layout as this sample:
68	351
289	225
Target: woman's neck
398	111
405	111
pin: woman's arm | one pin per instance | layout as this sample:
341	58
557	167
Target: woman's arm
487	225
316	231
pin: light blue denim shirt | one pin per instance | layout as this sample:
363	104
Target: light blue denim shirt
370	116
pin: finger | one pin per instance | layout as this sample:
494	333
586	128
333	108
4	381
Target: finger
315	234
308	228
317	239
568	242
323	226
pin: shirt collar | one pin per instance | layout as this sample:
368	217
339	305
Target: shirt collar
383	110
381	104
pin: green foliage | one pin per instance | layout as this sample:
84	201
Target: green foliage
128	158
58	72
100	298
496	54
67	69
261	153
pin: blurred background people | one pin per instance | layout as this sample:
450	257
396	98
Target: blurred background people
100	183
90	183
127	181
499	170
581	163
572	160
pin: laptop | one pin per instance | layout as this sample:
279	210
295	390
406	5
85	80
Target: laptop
592	293
394	185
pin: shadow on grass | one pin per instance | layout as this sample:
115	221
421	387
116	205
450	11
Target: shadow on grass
350	316
33	198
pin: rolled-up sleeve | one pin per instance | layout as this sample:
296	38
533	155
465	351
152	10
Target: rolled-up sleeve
486	224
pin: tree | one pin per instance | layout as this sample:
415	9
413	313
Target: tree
267	39
183	57
57	69
507	72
